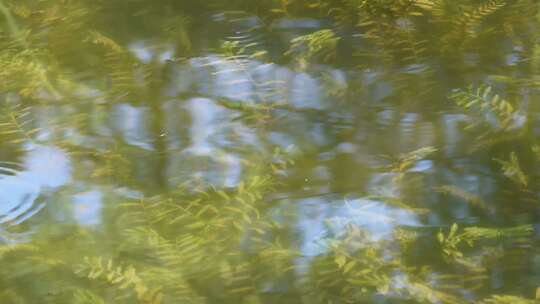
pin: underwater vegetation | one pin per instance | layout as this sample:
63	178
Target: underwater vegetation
273	151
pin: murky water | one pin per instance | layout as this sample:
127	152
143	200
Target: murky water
272	152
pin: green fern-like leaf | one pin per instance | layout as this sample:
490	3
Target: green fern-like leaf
495	110
503	299
512	170
16	125
120	277
320	44
468	197
82	296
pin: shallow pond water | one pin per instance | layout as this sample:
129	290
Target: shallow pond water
269	152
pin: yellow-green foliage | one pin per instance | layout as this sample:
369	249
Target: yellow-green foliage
87	297
408	160
513	171
201	243
320	44
16	125
450	243
466	196
483	101
508	300
122	277
471	19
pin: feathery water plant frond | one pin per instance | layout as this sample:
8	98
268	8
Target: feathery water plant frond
120	65
236	245
98	38
467	26
407	161
472	18
495	111
256	101
503	299
23	75
470	235
16	125
83	296
27	65
435	7
120	277
471	198
427	294
512	169
17	249
320	44
218	227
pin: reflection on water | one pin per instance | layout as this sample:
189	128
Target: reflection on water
44	169
303	153
322	219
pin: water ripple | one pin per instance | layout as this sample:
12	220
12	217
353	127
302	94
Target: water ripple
21	186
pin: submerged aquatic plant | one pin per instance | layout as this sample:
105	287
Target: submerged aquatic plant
203	242
321	44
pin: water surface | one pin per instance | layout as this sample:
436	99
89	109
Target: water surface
272	152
